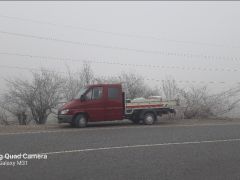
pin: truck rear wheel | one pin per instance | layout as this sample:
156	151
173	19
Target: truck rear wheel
149	118
80	121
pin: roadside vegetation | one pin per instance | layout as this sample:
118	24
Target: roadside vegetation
35	100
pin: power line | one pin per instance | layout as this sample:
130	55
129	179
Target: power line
30	69
116	33
123	64
76	42
145	78
164	53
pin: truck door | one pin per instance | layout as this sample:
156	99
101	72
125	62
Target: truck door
114	103
94	104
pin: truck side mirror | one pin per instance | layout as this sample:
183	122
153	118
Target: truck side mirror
82	98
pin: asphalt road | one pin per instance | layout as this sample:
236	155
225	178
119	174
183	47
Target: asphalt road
127	152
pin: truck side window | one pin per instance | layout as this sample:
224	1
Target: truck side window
94	93
113	93
88	96
97	93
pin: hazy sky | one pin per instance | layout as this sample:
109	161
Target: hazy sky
191	41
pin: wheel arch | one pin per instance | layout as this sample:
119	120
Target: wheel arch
83	113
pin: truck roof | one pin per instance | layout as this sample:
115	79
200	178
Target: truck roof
114	84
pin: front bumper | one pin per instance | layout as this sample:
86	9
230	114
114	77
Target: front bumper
65	118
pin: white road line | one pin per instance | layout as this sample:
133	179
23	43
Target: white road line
140	146
119	127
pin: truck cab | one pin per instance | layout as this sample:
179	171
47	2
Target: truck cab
99	102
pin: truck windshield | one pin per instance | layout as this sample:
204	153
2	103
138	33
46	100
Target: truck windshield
81	92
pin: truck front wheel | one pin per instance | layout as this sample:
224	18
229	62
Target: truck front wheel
149	118
80	121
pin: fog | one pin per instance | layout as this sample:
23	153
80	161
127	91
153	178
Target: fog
194	42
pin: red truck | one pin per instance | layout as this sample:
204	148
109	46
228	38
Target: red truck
106	102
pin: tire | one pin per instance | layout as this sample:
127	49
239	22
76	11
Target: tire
149	118
80	121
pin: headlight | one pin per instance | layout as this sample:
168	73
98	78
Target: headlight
65	111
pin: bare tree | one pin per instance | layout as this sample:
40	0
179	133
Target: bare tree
198	103
16	107
73	82
148	91
226	101
3	117
195	102
72	85
133	84
103	79
41	95
86	74
170	89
